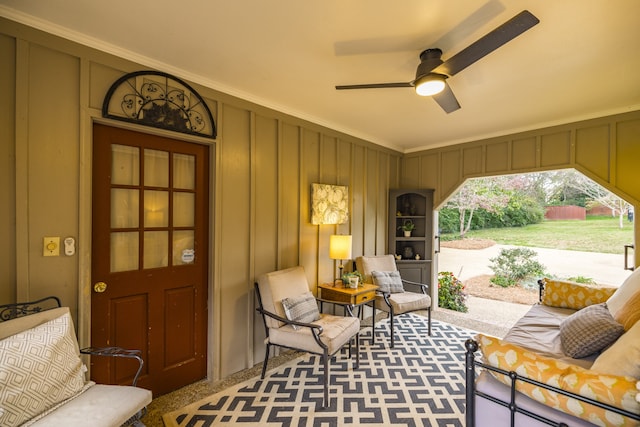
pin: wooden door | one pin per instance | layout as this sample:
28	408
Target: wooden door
149	257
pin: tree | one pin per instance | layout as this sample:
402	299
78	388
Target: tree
485	193
594	193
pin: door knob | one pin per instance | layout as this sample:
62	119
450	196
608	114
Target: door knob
100	287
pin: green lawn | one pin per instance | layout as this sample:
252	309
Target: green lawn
596	234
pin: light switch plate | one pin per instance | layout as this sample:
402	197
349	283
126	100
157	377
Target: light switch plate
51	246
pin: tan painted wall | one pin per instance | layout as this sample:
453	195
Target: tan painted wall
264	163
607	150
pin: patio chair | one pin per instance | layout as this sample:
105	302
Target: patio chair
381	270
292	320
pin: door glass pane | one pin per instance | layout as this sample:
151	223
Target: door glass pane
156	208
124	208
125	165
184	209
183	250
156	168
124	251
184	171
156	249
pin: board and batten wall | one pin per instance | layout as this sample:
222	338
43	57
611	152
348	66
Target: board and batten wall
263	164
605	149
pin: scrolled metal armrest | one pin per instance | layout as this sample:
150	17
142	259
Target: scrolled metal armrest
117	352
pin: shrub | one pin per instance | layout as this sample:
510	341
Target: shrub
451	292
513	265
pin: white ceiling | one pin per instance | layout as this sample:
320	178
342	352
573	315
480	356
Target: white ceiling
581	61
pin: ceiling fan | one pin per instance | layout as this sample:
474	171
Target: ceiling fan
432	72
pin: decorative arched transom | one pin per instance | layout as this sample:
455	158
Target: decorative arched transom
154	98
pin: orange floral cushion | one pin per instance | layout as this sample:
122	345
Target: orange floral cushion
619	391
566	294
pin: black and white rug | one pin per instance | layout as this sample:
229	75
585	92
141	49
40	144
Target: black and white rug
420	382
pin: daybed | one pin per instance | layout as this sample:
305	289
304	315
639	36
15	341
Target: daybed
572	360
42	377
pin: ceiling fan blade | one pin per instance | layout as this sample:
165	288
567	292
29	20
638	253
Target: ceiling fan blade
447	100
374	86
487	44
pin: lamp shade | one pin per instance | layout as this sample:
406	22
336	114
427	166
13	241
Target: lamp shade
340	247
431	84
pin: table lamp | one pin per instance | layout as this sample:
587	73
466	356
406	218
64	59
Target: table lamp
339	249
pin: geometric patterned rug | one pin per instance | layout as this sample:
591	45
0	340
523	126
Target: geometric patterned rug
420	382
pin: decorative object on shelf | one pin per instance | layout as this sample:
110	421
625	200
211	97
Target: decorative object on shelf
157	99
340	249
353	276
417	257
329	204
398	257
407	226
407	252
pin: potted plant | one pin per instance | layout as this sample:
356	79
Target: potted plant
354	274
407	226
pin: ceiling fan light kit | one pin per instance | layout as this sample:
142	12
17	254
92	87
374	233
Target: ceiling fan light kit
433	71
430	84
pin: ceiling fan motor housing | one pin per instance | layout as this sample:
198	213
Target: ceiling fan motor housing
429	59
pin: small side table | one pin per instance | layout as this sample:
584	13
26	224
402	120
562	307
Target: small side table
363	295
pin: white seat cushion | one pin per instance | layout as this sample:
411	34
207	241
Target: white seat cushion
404	302
99	406
337	331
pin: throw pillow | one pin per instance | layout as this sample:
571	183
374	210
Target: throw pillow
629	313
303	308
388	281
566	294
614	390
39	368
628	289
623	357
589	330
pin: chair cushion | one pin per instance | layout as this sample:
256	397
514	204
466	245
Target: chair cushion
367	264
388	281
336	332
404	302
302	308
589	330
39	368
277	285
100	406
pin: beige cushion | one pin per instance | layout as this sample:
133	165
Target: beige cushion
99	406
277	285
623	357
589	330
404	302
367	264
39	368
628	289
629	313
337	331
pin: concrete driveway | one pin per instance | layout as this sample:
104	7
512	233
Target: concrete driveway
496	317
603	268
